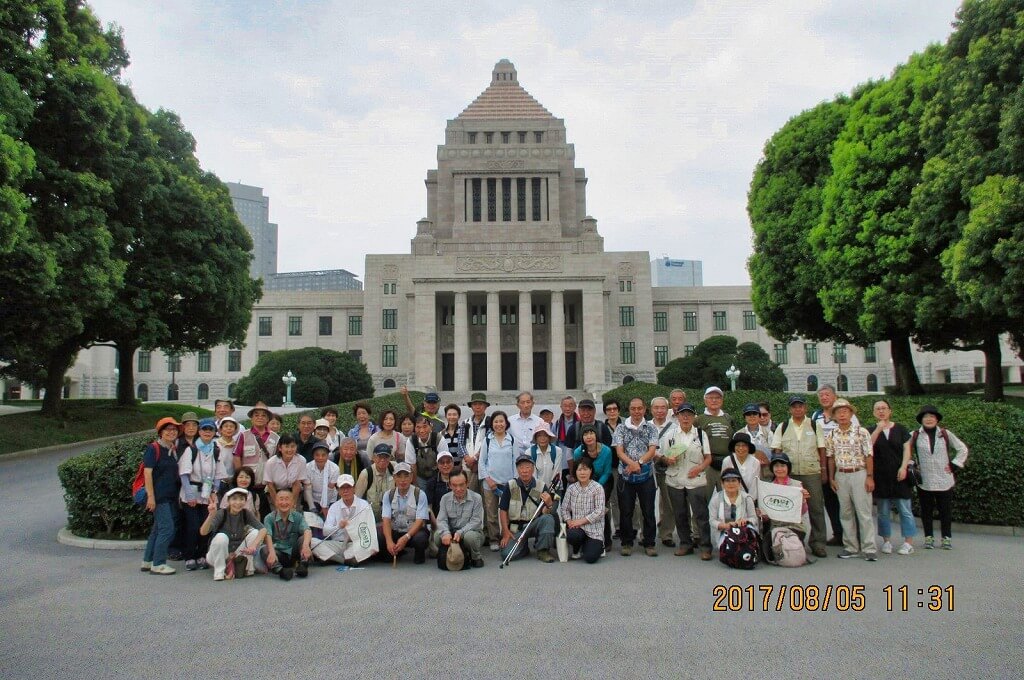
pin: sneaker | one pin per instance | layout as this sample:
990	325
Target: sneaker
626	550
419	557
302	570
495	547
846	554
191	565
202	563
477	563
651	551
887	548
575	556
947	543
818	551
616	535
287	573
162	569
545	556
218	577
668	543
604	553
871	557
906	549
929	542
146	566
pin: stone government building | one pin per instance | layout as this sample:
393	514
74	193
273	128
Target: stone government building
507	286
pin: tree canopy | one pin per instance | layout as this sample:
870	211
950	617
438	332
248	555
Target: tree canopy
324	377
713	357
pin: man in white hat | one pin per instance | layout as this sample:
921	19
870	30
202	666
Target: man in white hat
256	446
337	543
322	476
851	473
719	426
405	516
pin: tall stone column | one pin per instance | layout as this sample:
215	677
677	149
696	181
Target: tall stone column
557	321
525	342
493	343
462	357
593	342
424	340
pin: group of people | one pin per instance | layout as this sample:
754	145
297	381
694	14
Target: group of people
241	500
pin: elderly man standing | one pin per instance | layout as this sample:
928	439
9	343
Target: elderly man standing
472	437
719	427
802	440
255	447
636	445
431	405
304	438
520	500
460	520
665	426
825	421
522	424
851	468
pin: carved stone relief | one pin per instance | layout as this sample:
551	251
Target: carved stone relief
508	264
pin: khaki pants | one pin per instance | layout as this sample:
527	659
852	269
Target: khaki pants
217	555
855	504
472	542
666	518
815	509
491	513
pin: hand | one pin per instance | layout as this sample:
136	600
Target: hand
824	476
949	469
306	553
869	484
492	484
633	467
506	538
835	487
694	471
343	524
150	503
212	507
806	494
901	474
457	537
670	460
546	497
392	547
192	502
324	511
446	540
271	557
403	390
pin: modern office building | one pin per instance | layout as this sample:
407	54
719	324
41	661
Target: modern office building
253	209
667	271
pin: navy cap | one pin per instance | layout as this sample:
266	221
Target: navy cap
731	473
432	398
752	408
797	399
382	449
686	406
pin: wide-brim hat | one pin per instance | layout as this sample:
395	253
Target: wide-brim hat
260	406
843	403
455	560
164	422
926	410
189	417
229	419
322	422
478	397
740	437
542	428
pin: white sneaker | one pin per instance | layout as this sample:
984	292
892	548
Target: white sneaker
575	556
906	549
218	577
162	569
146	566
604	553
887	548
495	547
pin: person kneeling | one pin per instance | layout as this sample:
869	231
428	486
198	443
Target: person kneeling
405	511
520	501
735	517
460	521
337	542
582	510
237	535
287	551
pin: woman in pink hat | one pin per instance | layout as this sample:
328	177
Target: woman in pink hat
548	459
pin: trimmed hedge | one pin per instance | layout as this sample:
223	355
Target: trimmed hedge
97	485
943	388
987	489
346	419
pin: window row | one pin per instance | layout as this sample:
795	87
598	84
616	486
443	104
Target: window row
325	326
202	392
204	361
508	314
843	383
839	353
521	198
505	137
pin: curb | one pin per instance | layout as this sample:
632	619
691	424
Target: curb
987	529
65	537
25	453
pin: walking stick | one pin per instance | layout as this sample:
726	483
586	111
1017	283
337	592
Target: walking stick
552	490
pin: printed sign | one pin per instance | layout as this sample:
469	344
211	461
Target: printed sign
781	503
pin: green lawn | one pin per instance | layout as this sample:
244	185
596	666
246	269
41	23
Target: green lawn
83	420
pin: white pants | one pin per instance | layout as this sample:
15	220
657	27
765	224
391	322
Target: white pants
217	555
333	551
855	504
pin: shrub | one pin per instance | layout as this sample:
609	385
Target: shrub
324	376
943	388
986	490
346	420
97	491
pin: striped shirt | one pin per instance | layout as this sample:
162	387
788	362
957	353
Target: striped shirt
585	503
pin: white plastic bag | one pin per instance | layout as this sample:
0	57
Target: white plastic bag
562	545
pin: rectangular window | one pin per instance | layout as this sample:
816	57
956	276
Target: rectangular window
781	353
203	362
521	199
475	182
447	315
536	198
326	325
145	357
173	363
570	314
839	353
870	354
356	354
492	197
234	360
660	355
508	315
625	285
626	316
389	356
810	352
627	351
688	350
505	137
294	325
478	315
506	198
389	319
749	320
355	325
266	326
720	322
260	354
538	314
488	137
472	137
689	321
661	321
538	137
522	137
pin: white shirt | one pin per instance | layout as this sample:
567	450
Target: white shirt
338	512
522	429
323	481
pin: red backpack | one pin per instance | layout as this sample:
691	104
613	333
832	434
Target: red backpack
139	485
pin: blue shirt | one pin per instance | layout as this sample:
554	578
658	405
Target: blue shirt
166	482
498	460
602	464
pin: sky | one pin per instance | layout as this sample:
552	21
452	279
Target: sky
336	108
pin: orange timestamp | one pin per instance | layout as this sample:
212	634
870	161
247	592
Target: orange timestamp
813	598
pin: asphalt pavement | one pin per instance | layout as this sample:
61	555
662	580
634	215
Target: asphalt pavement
69	612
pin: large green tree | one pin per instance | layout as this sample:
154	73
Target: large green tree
324	377
973	133
871	266
713	357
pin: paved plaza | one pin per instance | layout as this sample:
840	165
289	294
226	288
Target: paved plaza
70	613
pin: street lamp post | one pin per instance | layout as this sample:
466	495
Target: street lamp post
733	374
288	381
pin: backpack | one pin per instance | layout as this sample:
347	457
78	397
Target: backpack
785	425
369	474
787	548
139	483
739	548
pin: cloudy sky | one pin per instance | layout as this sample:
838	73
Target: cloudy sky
336	108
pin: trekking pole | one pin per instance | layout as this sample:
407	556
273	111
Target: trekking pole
552	490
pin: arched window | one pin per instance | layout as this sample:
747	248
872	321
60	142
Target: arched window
628	379
203	392
812	383
872	382
389	383
843	384
231	390
143	392
785	384
172	392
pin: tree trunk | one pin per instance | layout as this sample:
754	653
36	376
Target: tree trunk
993	368
907	381
58	365
125	375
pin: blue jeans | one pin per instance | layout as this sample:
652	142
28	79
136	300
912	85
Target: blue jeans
161	534
907	526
